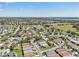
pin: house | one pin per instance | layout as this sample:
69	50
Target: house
73	46
42	43
4	52
28	54
27	47
14	39
63	52
12	54
5	31
14	45
74	39
55	41
2	44
50	42
52	54
1	53
28	50
76	26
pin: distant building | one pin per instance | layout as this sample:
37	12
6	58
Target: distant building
76	26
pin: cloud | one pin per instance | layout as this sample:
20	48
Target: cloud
8	2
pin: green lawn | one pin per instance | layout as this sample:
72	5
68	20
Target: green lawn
18	51
65	27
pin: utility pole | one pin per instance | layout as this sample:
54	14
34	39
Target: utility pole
22	47
21	43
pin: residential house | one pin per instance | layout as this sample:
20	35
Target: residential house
52	54
42	43
63	52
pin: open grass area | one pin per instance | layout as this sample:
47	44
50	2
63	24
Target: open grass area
18	51
65	27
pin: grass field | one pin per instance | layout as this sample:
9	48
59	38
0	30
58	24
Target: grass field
65	27
18	51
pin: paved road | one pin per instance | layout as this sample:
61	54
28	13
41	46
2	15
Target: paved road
54	48
36	46
16	30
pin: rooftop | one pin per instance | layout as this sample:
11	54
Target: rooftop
74	46
52	54
63	52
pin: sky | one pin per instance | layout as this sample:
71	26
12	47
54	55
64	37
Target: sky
39	9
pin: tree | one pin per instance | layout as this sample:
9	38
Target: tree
37	38
49	43
1	48
11	48
46	25
68	31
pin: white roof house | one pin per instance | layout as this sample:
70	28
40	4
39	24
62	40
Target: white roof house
12	54
4	52
42	43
